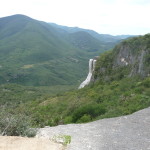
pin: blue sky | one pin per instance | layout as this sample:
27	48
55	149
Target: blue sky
114	17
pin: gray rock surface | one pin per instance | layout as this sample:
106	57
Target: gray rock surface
130	132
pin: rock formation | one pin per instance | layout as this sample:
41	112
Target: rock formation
128	59
121	133
135	59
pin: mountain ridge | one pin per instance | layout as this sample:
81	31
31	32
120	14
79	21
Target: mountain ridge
91	32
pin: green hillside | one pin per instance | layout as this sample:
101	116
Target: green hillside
117	89
120	87
86	42
105	41
32	53
35	53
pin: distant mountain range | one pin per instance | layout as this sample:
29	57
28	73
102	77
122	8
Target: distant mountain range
101	37
37	53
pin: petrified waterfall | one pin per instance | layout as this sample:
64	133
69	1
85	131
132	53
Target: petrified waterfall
89	77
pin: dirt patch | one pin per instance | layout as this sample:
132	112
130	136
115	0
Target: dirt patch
22	143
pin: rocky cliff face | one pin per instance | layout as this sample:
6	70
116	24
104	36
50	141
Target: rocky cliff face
131	57
126	57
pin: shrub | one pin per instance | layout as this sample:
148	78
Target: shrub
146	82
92	110
68	119
63	139
15	125
84	118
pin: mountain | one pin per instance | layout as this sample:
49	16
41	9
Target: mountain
85	41
102	37
29	51
84	38
105	40
36	53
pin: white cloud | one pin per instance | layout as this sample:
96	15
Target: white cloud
104	16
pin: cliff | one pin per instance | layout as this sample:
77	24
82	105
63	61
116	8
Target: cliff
130	58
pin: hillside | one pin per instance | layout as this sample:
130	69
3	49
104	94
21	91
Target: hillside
86	42
106	41
31	55
35	53
121	86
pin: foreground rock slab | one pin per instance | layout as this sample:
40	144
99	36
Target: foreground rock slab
21	143
130	132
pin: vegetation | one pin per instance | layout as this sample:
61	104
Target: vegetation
15	124
63	139
97	101
94	102
86	42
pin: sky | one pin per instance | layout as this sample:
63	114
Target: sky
115	17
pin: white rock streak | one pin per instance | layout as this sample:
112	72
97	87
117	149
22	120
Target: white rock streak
91	69
124	61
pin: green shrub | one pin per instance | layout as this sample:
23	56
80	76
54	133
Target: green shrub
146	82
68	119
15	125
84	118
92	110
63	139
